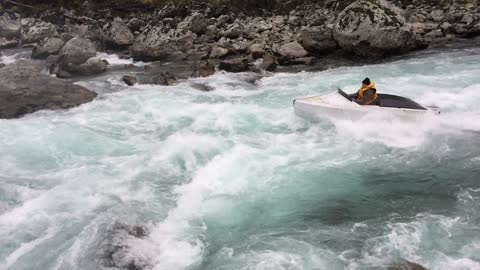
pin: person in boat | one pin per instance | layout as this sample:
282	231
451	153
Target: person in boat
367	94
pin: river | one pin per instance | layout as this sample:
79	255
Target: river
232	179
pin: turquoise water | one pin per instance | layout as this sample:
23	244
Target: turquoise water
232	179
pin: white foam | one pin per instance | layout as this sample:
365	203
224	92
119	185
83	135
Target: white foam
174	243
8	59
115	60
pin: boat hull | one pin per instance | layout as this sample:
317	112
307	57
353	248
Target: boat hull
333	105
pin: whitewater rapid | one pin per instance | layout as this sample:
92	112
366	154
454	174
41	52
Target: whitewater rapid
232	179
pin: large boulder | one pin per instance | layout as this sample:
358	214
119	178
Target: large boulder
292	50
37	32
234	65
195	23
158	43
25	89
317	40
9	27
92	66
76	51
49	46
367	28
119	35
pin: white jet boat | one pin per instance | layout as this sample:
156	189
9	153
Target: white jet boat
339	105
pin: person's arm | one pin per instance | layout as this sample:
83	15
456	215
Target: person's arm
367	96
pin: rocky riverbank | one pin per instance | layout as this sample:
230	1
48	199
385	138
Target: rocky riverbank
209	38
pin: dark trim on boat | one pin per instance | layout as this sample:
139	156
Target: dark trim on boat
391	101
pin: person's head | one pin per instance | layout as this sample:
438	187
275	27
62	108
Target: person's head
366	82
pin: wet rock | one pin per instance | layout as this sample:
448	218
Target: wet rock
26	90
308	61
47	47
114	248
6	44
370	29
130	80
158	78
119	35
292	50
269	63
38	32
62	74
92	66
234	65
202	87
434	34
405	265
256	50
9	27
205	69
2	65
317	40
176	57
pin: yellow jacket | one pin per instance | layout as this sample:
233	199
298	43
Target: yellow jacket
363	90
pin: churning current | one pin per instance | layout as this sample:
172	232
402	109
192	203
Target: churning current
154	177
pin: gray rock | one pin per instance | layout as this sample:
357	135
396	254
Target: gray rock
437	15
256	50
6	44
234	65
92	66
434	34
292	50
269	63
9	28
160	78
317	40
38	32
169	22
156	44
218	52
130	80
405	265
224	19
202	87
205	69
198	23
308	61
369	29
91	32
62	74
119	35
234	31
47	47
26	90
134	24
2	65
76	51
